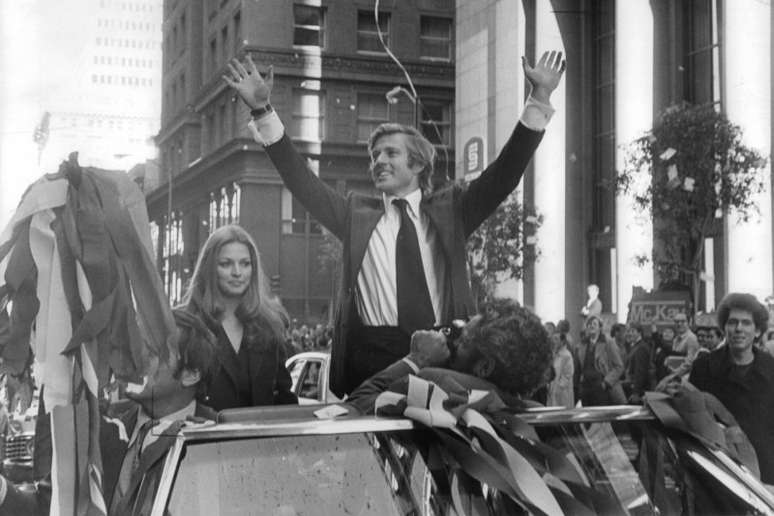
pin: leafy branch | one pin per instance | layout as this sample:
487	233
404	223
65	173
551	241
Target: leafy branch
686	173
502	247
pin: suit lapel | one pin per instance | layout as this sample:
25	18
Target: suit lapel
441	219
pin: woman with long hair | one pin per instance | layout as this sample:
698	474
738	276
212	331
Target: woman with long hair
230	292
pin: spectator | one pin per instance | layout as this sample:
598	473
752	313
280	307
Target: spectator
685	342
709	337
593	306
618	334
741	376
601	367
638	364
662	352
560	390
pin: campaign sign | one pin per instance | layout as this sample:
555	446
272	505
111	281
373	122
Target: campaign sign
658	308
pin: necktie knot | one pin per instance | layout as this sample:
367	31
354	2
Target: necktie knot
402	205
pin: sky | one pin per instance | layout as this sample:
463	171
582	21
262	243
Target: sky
44	44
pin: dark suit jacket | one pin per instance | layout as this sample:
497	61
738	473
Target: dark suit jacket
750	398
113	449
638	368
270	382
455	211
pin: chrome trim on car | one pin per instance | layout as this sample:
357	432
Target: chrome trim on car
288	428
745	475
551	416
167	477
735	485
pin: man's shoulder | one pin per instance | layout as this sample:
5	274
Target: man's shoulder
764	362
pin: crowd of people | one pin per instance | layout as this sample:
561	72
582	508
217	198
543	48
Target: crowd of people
308	337
618	364
732	361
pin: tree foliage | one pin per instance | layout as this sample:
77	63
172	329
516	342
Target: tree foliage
499	249
687	172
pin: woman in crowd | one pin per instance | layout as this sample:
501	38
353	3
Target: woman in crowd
601	367
560	390
230	292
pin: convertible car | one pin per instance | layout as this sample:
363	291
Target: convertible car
319	460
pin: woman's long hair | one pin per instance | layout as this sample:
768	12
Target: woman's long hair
258	304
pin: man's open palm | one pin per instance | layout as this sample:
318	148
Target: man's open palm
254	89
547	73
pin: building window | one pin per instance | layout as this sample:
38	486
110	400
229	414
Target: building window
435	37
436	121
368	33
295	218
308	26
172	257
371	111
701	81
224	206
308	115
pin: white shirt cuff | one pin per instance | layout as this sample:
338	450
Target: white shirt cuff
536	114
411	364
267	130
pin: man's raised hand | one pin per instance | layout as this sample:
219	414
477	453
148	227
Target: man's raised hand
254	89
545	75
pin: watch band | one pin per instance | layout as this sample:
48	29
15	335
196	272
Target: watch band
259	112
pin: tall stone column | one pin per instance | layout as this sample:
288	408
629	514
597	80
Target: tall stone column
746	79
490	86
550	182
633	117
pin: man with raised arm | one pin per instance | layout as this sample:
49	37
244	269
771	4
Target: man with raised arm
404	259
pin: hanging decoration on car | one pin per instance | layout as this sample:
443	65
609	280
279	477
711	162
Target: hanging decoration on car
79	291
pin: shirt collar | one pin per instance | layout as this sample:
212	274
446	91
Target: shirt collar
413	199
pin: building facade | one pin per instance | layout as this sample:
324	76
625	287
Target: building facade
628	60
334	83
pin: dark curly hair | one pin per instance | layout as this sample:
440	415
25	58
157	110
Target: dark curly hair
521	349
498	307
747	302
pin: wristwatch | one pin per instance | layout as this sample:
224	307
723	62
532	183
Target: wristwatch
259	112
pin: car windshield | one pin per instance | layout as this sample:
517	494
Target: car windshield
315	474
624	467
